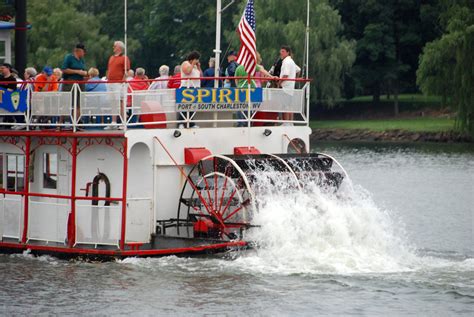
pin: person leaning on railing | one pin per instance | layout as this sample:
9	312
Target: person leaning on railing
46	81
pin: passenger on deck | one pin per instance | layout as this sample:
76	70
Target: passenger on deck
243	83
162	82
289	70
190	68
230	70
46	81
117	69
210	72
30	74
7	76
96	83
74	69
57	72
139	81
130	74
175	80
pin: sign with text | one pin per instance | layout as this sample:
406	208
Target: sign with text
218	99
13	100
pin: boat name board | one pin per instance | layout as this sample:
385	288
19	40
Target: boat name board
218	99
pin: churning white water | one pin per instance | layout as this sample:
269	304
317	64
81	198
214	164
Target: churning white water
319	230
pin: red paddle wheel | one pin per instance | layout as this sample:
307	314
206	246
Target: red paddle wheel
217	198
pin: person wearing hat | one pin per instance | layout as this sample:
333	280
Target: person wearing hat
7	76
74	67
230	70
46	81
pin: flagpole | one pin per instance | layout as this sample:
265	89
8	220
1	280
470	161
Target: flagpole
125	35
308	92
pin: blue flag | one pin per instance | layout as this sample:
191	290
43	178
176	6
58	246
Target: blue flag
13	101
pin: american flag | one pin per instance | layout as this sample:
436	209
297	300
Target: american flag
248	42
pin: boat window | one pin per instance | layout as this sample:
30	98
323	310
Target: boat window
15	172
2	51
1	170
50	170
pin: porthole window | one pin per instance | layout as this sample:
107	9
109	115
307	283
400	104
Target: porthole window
296	145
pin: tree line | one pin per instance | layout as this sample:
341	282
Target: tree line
369	47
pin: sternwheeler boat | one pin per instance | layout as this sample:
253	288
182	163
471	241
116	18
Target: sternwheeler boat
72	189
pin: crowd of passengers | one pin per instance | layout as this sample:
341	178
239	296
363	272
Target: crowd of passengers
119	70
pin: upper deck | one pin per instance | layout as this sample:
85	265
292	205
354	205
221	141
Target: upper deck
121	107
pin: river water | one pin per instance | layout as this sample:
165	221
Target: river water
398	240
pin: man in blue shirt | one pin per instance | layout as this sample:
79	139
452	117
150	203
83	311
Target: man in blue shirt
230	70
209	73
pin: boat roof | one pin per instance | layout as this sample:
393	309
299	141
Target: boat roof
10	25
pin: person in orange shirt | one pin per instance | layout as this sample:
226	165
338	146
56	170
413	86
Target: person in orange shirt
46	81
117	69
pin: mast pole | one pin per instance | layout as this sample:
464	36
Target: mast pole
307	40
218	41
217	50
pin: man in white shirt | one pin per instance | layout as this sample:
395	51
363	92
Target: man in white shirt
289	70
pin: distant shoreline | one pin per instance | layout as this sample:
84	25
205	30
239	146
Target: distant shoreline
396	135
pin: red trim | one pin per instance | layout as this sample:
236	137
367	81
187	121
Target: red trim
65	250
26	198
72	228
155	80
124	195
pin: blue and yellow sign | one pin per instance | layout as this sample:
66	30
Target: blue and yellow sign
217	99
13	101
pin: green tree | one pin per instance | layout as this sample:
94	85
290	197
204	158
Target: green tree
57	26
390	35
284	23
446	65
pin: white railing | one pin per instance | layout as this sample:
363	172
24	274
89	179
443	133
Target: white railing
98	225
48	221
11	212
77	109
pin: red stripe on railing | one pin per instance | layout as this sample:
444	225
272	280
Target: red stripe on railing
155	80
